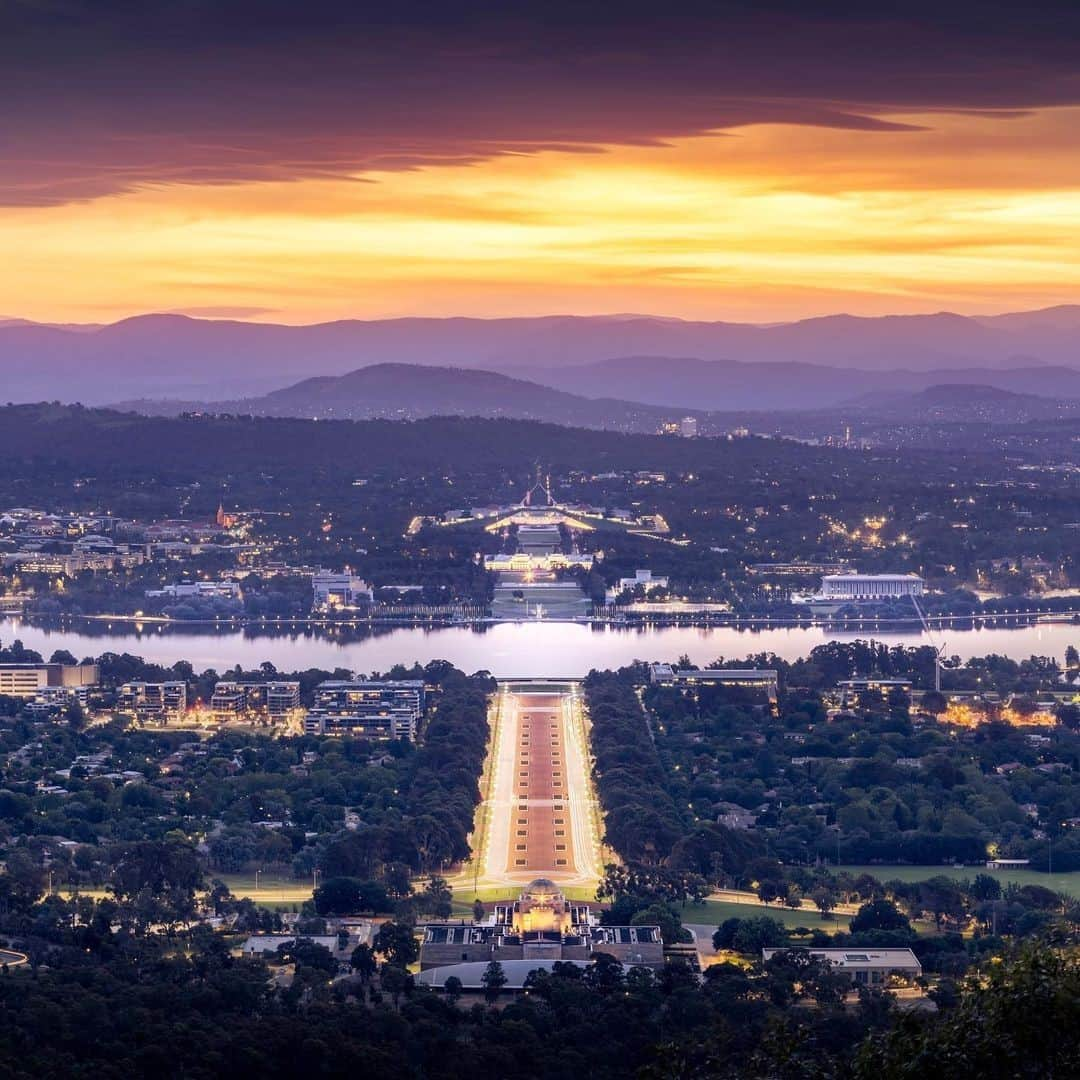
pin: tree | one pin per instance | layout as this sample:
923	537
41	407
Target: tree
796	972
1072	663
750	935
395	981
437	898
338	896
307	953
398	880
1023	705
478	910
664	916
397	943
1019	1019
879	915
1068	715
934	702
373	897
824	900
768	891
453	987
363	963
160	867
493	980
941	896
986	887
220	896
23	882
75	716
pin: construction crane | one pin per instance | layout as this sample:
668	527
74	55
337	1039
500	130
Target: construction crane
938	652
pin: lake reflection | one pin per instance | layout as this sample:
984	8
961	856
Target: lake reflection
527	648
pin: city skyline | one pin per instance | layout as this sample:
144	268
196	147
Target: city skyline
539	541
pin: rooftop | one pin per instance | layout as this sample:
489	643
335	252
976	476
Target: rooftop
858	959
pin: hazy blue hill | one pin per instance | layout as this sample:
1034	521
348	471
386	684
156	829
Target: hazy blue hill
412	391
960	403
683	382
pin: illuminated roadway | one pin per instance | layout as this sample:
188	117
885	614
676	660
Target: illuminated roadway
539	817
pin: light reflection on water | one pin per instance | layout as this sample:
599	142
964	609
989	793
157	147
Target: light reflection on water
531	648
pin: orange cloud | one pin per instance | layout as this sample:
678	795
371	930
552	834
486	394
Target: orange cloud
974	212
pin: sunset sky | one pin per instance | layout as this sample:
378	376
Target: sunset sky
306	162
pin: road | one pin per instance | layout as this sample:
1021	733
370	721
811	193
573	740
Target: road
540	816
13	958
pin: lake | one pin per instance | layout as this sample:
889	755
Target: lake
522	648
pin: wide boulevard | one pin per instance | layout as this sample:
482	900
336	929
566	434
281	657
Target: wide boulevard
539	817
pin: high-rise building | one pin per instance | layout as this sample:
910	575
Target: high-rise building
271	699
153	698
372	710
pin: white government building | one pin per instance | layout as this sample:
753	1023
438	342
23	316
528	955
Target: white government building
843	588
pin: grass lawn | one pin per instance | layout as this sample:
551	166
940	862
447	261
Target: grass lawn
273	890
714	912
1064	883
464	895
91	893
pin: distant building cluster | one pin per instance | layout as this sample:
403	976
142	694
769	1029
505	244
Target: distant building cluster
379	710
204	590
687	427
72	544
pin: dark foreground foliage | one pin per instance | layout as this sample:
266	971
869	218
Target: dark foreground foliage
140	1013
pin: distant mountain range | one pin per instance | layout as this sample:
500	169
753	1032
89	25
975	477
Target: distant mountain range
727	385
957	403
411	392
178	356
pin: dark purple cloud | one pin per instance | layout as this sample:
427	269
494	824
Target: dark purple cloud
105	96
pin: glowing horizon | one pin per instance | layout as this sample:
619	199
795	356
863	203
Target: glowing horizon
769	223
753	165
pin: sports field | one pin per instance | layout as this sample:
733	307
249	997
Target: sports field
1064	883
270	889
714	912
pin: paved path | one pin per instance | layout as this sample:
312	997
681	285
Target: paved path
540	816
738	896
